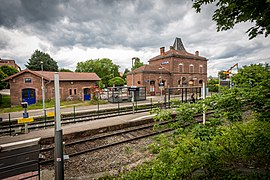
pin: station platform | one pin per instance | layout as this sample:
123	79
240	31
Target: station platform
83	129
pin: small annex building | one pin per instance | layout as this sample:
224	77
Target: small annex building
173	68
9	62
26	86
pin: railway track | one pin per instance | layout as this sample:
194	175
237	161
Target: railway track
107	140
102	141
88	116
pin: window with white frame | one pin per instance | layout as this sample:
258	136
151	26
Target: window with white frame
191	68
201	69
181	68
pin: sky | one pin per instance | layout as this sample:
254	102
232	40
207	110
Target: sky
73	31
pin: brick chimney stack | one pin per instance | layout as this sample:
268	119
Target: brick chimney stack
196	53
162	51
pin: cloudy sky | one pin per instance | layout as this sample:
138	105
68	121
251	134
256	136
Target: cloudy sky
72	31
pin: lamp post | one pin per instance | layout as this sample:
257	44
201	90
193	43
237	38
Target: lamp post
132	84
161	82
42	86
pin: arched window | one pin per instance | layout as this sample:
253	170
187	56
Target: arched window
152	82
191	68
201	69
181	68
200	82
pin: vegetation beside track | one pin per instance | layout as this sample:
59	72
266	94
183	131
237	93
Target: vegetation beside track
6	107
233	144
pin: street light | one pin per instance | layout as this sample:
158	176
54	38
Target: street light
42	86
132	84
161	83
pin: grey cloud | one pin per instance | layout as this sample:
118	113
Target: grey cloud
4	42
98	24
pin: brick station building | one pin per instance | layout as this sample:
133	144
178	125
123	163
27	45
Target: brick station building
173	68
26	86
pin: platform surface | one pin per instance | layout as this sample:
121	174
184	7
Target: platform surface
78	127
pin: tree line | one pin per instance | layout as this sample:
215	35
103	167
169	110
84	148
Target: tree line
104	68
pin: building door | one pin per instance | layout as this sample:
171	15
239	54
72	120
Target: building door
152	88
86	94
29	96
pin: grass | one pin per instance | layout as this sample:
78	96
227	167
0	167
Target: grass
6	106
4	101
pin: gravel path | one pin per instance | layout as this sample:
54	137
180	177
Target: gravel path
108	161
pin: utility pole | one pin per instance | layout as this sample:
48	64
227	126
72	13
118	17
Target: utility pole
42	87
204	94
58	137
132	86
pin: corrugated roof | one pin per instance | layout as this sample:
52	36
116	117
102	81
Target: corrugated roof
63	76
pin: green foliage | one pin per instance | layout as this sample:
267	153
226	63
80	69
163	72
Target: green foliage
125	73
222	75
117	81
4	101
65	70
3	85
137	63
104	68
229	152
226	146
8	70
213	85
253	81
230	13
35	62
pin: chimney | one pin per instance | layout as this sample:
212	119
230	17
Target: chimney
196	53
162	51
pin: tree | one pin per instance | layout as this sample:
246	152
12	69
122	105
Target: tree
222	75
255	88
3	85
8	70
117	81
35	62
230	13
125	73
137	63
104	68
65	70
213	85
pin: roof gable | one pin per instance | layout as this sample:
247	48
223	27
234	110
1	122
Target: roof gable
63	76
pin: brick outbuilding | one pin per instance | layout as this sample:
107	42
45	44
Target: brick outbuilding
26	86
173	68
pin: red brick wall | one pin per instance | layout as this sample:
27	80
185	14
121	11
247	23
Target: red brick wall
173	67
17	85
66	86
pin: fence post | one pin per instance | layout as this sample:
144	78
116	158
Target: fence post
74	114
151	104
118	105
45	118
136	105
165	100
98	108
9	124
169	98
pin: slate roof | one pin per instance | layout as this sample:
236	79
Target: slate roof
178	50
63	76
150	69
